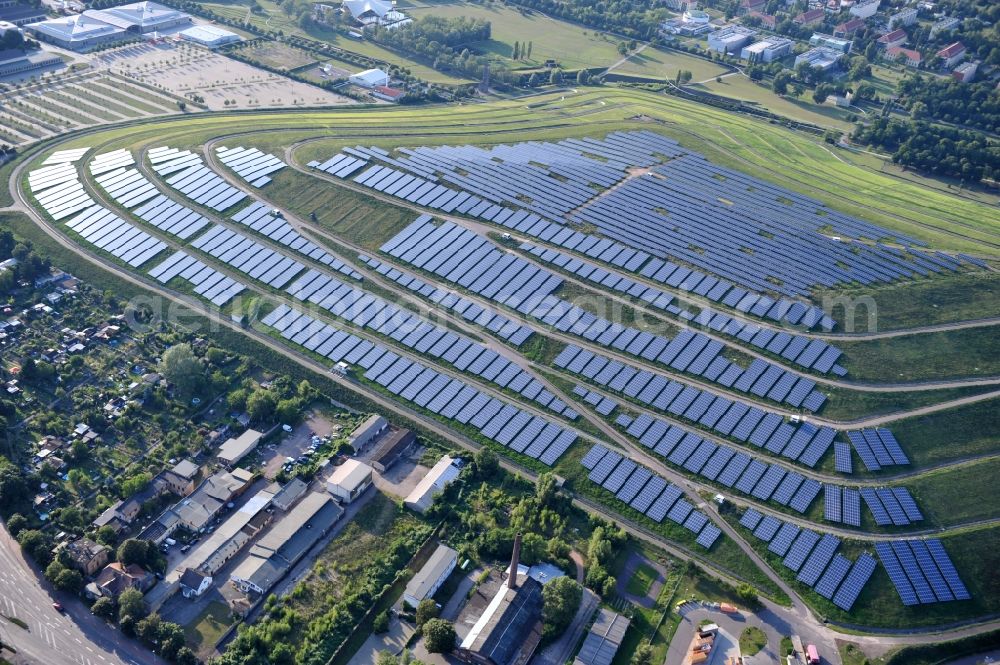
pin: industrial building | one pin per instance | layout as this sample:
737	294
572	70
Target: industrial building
510	627
16	61
233	450
374	426
433	574
232	535
349	480
767	50
391	447
19	14
820	57
730	39
375	12
369	79
286	543
439	477
209	36
197	510
603	639
141	18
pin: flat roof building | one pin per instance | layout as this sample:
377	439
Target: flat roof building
374	426
286	542
767	50
829	41
439	477
431	576
603	640
369	78
233	450
819	57
730	39
18	14
210	36
349	480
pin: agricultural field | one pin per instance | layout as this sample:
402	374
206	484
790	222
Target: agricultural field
277	55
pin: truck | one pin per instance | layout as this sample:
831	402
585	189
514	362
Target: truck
812	655
726	608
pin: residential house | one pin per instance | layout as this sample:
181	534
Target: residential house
904	17
116	577
952	54
907	56
87	556
810	17
894	38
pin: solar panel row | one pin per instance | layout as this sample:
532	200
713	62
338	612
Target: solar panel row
184	171
877	448
413	178
805	443
599	402
463	257
647	492
266	221
497	323
206	281
250	164
921	571
891	506
811	354
415	332
109	232
812	557
58	190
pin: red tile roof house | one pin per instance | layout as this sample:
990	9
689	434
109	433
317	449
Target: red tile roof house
809	17
848	28
894	38
952	54
909	56
387	93
766	20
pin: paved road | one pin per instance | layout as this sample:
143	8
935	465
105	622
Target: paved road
74	638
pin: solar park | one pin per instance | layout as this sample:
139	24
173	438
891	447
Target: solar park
707	246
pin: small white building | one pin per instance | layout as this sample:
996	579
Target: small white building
864	9
349	480
370	78
209	36
439	477
902	18
433	574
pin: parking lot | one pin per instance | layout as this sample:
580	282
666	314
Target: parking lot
296	443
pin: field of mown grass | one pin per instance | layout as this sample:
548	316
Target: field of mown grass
660	64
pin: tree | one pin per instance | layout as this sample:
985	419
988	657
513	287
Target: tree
426	610
107	535
36	544
486	463
822	92
643	654
381	623
134	551
181	368
583	77
545	488
528	57
781	81
261	406
517	51
104	607
748	595
148	629
16	523
555	78
131	605
560	600
439	636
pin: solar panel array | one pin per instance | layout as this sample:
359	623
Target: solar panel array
206	281
171	217
463	257
921	571
812	557
250	164
109	232
724	464
493	418
263	220
495	322
248	256
601	404
804	443
891	506
808	353
842	504
646	492
340	165
126	186
58	190
414	332
877	448
744	229
65	156
184	171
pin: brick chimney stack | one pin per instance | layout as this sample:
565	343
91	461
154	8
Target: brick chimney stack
514	561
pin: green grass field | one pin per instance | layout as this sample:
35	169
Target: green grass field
902	305
967	352
659	64
641	580
957	495
569	45
752	640
958	433
741	88
208	627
